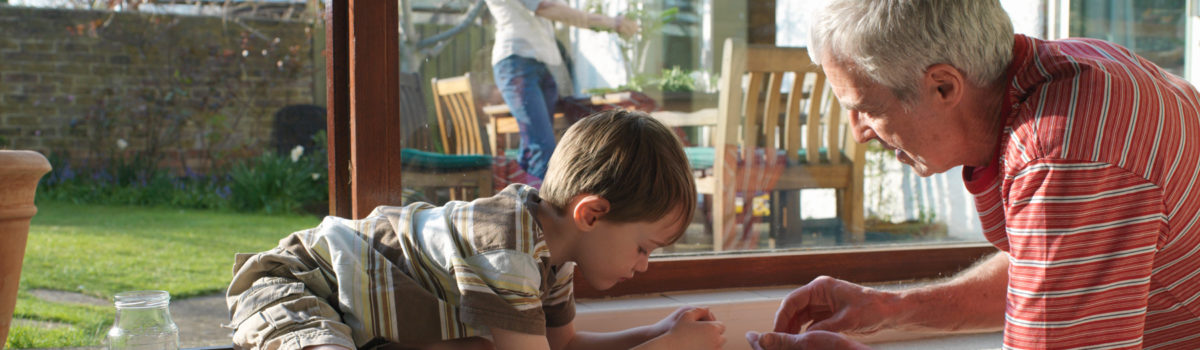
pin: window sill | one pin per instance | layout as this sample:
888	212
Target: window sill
745	310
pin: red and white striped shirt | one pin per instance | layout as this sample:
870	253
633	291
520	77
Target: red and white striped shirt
1096	198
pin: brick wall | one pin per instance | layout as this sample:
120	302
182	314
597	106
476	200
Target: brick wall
191	90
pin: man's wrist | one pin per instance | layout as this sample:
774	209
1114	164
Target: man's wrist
894	307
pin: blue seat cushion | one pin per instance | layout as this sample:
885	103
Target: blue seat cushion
442	162
702	157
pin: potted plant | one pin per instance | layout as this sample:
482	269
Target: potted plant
19	175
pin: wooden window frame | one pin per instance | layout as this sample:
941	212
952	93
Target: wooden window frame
362	61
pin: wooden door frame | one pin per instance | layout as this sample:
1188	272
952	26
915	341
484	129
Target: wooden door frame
362	64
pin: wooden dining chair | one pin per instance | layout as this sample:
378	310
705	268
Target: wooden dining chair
769	140
458	119
464	176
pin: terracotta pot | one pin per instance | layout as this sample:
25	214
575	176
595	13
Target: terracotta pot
19	175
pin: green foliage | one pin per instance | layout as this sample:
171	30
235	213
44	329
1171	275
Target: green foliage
130	181
102	250
676	79
277	184
270	183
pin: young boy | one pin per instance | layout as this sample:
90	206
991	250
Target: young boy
420	276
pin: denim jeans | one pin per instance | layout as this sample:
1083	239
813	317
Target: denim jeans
531	93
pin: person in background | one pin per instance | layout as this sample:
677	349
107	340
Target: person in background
497	271
1083	158
523	56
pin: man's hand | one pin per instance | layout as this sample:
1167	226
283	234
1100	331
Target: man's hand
832	305
807	340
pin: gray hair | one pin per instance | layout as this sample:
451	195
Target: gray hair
893	42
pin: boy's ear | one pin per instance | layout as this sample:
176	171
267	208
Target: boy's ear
588	210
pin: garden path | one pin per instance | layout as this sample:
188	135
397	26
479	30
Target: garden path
199	318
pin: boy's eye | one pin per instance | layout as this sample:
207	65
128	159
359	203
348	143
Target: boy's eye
642	250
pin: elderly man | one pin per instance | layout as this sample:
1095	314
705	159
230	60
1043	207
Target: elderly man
1084	160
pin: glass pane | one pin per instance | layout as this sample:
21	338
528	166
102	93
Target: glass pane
446	83
671	69
1154	29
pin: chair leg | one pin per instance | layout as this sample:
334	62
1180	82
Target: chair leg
790	224
851	213
706	208
485	183
724	222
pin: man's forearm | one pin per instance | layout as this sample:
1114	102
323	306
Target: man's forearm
974	299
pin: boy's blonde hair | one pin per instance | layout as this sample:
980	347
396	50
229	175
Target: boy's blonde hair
629	159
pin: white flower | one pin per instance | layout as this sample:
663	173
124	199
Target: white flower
297	152
121	144
316	176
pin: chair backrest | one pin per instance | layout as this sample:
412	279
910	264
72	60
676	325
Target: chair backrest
764	116
457	116
414	117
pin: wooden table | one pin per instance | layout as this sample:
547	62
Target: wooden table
501	121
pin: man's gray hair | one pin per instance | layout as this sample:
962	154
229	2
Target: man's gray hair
893	42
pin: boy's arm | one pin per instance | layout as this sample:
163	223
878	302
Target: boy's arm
566	337
686	328
509	340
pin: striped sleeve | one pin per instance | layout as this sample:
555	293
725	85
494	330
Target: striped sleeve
1082	238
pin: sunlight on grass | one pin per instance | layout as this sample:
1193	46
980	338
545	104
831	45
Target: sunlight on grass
103	250
85	324
25	337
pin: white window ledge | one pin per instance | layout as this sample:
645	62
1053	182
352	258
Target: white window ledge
748	310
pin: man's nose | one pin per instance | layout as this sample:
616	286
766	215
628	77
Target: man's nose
862	133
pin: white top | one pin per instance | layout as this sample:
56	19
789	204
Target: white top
520	32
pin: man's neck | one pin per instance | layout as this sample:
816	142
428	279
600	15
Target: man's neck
990	123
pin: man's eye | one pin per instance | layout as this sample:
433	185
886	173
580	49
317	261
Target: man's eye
642	251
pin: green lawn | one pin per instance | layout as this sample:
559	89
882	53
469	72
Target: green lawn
103	250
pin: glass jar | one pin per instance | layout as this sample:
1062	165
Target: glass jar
143	322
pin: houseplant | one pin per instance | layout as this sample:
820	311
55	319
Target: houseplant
19	175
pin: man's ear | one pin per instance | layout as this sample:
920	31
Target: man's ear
588	210
946	83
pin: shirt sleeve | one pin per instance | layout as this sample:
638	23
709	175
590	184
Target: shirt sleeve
1082	238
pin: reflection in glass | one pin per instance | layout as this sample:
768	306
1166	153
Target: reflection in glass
670	69
1153	29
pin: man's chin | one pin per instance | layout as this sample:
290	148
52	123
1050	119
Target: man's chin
922	169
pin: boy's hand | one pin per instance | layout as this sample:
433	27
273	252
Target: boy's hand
692	328
663	326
